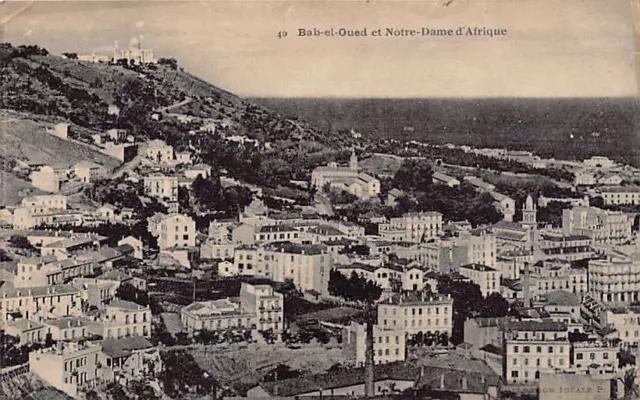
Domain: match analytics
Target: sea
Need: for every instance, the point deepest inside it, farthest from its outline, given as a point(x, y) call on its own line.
point(561, 128)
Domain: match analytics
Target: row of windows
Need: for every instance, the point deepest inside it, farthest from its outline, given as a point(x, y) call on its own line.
point(387, 339)
point(549, 362)
point(527, 349)
point(592, 356)
point(419, 322)
point(388, 352)
point(79, 362)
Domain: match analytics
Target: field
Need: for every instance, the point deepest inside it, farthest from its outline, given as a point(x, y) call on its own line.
point(242, 368)
point(13, 189)
point(26, 139)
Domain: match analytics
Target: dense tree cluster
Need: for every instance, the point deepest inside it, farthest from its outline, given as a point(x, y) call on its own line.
point(469, 303)
point(128, 292)
point(182, 374)
point(458, 203)
point(354, 288)
point(414, 175)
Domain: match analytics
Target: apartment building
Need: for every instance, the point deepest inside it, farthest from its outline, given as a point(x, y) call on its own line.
point(389, 276)
point(67, 366)
point(125, 318)
point(615, 195)
point(308, 266)
point(416, 312)
point(258, 307)
point(589, 355)
point(69, 328)
point(601, 226)
point(388, 344)
point(534, 347)
point(162, 187)
point(615, 278)
point(412, 227)
point(551, 275)
point(265, 303)
point(176, 230)
point(564, 246)
point(38, 303)
point(486, 277)
point(625, 320)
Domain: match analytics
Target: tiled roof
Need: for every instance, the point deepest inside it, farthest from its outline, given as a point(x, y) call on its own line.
point(124, 346)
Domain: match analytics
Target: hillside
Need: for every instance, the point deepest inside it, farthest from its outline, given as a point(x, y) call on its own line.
point(152, 100)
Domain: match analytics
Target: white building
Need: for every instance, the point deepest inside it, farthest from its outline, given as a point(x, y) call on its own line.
point(533, 348)
point(602, 226)
point(360, 184)
point(259, 307)
point(308, 266)
point(176, 230)
point(46, 179)
point(616, 278)
point(615, 195)
point(67, 365)
point(599, 162)
point(136, 53)
point(388, 344)
point(412, 227)
point(486, 277)
point(87, 171)
point(417, 312)
point(159, 151)
point(162, 187)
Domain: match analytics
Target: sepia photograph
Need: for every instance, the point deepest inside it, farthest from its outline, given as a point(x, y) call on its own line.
point(319, 199)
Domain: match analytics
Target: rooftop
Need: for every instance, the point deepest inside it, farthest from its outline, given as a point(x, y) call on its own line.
point(478, 267)
point(124, 346)
point(294, 248)
point(126, 305)
point(417, 298)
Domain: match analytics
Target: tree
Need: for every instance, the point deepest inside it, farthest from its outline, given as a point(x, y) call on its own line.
point(170, 62)
point(20, 242)
point(467, 303)
point(629, 382)
point(414, 175)
point(494, 305)
point(128, 292)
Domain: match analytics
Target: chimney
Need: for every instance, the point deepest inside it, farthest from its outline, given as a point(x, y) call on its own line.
point(442, 387)
point(464, 383)
point(525, 286)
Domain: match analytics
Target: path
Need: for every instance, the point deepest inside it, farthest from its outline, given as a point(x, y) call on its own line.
point(176, 105)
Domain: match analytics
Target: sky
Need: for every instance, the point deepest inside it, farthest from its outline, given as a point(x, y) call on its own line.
point(553, 48)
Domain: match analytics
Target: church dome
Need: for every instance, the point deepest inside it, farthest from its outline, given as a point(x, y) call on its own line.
point(134, 42)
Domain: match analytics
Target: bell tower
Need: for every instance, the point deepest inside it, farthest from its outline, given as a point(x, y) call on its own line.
point(353, 161)
point(529, 212)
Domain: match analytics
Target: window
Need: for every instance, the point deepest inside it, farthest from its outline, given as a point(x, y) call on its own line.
point(515, 349)
point(539, 349)
point(579, 356)
point(514, 374)
point(605, 356)
point(550, 350)
point(526, 349)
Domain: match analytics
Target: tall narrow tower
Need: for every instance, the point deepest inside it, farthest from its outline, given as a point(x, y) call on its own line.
point(353, 162)
point(529, 212)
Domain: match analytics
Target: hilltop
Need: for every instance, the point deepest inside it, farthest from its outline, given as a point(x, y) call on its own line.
point(155, 101)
